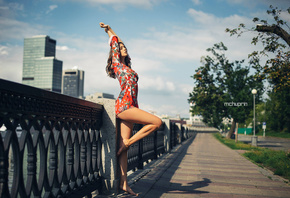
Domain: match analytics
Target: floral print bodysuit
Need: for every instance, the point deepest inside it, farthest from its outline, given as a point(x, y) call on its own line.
point(127, 78)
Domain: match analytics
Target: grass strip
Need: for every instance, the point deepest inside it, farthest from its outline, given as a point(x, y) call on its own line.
point(276, 161)
point(275, 134)
point(233, 145)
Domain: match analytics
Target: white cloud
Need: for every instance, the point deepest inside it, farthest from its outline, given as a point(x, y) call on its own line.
point(10, 9)
point(214, 27)
point(253, 4)
point(185, 88)
point(156, 83)
point(165, 109)
point(174, 45)
point(146, 4)
point(11, 63)
point(143, 64)
point(170, 86)
point(62, 48)
point(16, 6)
point(217, 24)
point(196, 2)
point(200, 16)
point(4, 8)
point(14, 29)
point(285, 16)
point(51, 8)
point(180, 44)
point(3, 50)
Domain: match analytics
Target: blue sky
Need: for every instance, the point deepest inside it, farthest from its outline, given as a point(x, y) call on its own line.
point(165, 39)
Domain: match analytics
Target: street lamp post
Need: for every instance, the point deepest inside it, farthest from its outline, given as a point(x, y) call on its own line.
point(254, 138)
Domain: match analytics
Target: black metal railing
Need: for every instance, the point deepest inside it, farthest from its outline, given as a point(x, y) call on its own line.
point(153, 145)
point(50, 143)
point(149, 148)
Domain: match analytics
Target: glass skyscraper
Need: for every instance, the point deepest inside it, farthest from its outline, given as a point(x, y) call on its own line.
point(40, 67)
point(73, 82)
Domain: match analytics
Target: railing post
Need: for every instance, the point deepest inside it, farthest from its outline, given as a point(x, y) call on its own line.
point(155, 145)
point(174, 134)
point(182, 133)
point(140, 154)
point(167, 135)
point(179, 132)
point(110, 183)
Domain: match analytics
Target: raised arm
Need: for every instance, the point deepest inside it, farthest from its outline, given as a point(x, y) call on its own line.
point(109, 30)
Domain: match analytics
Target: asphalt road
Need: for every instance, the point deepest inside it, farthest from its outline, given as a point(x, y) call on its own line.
point(268, 142)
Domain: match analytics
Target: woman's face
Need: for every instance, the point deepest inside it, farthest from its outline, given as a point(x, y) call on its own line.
point(123, 50)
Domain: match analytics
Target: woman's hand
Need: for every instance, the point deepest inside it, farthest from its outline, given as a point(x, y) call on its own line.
point(102, 25)
point(108, 30)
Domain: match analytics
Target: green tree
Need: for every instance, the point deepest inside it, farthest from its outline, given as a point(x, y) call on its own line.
point(223, 89)
point(276, 42)
point(276, 69)
point(278, 111)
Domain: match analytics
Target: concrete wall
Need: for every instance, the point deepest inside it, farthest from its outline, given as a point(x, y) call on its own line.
point(108, 134)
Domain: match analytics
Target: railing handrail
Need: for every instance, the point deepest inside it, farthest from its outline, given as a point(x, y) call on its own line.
point(41, 93)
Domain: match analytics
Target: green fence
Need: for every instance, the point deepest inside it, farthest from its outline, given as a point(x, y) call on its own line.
point(247, 131)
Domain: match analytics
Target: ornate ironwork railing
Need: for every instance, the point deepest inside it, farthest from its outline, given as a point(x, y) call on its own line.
point(153, 145)
point(149, 148)
point(50, 143)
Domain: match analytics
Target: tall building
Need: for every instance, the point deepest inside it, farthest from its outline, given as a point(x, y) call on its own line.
point(40, 67)
point(73, 82)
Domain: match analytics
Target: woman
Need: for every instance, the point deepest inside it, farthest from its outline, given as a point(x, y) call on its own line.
point(119, 66)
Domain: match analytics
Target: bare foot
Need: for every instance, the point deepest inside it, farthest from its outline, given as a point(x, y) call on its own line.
point(123, 147)
point(127, 189)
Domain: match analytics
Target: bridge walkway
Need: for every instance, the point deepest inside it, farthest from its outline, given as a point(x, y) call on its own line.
point(203, 167)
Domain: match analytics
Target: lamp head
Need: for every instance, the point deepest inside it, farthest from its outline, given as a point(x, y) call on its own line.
point(254, 91)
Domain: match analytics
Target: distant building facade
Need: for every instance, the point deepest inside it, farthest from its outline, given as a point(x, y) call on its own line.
point(40, 67)
point(195, 120)
point(73, 82)
point(99, 95)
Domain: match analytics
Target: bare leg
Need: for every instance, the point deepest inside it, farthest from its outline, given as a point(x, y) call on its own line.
point(126, 130)
point(135, 115)
point(128, 117)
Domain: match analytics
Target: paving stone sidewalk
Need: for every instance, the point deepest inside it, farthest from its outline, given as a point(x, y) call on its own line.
point(203, 167)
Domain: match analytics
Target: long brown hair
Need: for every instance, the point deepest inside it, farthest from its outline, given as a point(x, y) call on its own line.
point(109, 68)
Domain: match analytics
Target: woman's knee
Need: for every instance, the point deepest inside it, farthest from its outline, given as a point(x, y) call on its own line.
point(158, 123)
